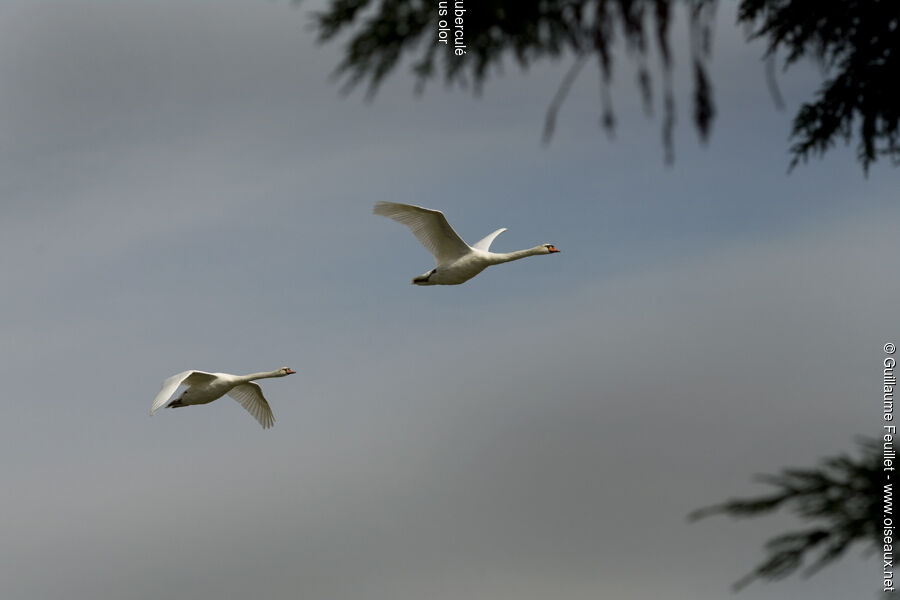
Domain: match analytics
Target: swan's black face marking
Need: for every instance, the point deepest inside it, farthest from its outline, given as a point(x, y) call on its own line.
point(550, 248)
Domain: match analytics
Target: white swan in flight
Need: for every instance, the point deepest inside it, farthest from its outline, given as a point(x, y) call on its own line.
point(456, 261)
point(203, 388)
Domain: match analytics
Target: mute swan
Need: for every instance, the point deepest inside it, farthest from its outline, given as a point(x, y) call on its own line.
point(456, 261)
point(203, 388)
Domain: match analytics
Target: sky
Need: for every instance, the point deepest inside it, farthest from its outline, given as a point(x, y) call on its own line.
point(184, 187)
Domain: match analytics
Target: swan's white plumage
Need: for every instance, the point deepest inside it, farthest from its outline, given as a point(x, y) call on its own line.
point(429, 226)
point(485, 242)
point(203, 388)
point(189, 378)
point(456, 262)
point(250, 396)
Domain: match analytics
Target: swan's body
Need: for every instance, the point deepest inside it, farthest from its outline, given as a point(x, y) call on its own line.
point(456, 261)
point(203, 388)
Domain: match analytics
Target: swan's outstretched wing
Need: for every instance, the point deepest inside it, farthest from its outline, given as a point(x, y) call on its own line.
point(429, 226)
point(251, 398)
point(486, 241)
point(171, 384)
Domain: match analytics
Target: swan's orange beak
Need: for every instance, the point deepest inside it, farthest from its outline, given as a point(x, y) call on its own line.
point(291, 371)
point(552, 249)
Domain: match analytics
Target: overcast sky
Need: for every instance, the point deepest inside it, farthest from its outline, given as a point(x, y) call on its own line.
point(183, 187)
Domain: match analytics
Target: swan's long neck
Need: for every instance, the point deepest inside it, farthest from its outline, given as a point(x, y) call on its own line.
point(502, 257)
point(263, 375)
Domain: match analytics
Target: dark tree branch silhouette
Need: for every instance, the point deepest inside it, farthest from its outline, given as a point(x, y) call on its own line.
point(841, 500)
point(855, 42)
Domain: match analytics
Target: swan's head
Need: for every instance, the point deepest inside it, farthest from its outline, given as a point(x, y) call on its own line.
point(550, 248)
point(285, 371)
